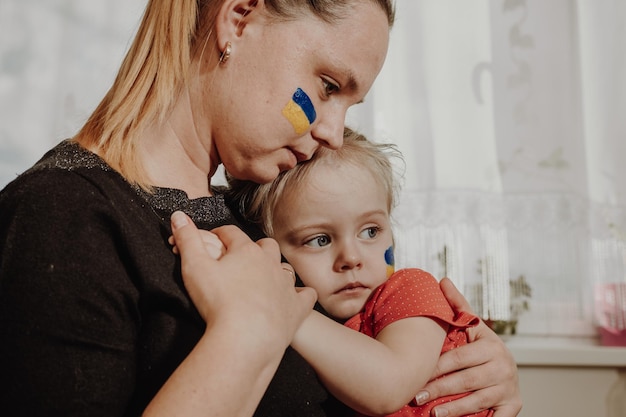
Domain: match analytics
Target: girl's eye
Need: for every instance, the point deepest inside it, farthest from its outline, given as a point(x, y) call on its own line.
point(329, 87)
point(369, 233)
point(318, 241)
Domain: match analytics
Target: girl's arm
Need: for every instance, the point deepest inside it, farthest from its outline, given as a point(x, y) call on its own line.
point(372, 376)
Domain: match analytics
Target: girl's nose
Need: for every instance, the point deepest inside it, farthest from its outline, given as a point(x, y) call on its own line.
point(348, 258)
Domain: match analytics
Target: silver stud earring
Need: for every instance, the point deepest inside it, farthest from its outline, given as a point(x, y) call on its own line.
point(225, 56)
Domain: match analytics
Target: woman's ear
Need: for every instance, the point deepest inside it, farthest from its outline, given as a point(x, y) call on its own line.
point(233, 17)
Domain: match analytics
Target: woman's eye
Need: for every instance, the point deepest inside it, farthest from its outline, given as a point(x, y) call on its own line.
point(329, 88)
point(369, 233)
point(318, 241)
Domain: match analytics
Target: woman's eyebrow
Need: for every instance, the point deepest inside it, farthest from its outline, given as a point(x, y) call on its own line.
point(351, 83)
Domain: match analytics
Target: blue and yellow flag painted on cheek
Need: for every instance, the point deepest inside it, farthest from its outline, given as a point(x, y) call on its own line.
point(300, 112)
point(389, 259)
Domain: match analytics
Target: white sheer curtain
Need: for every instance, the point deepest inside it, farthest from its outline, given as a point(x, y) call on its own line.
point(57, 59)
point(512, 119)
point(510, 115)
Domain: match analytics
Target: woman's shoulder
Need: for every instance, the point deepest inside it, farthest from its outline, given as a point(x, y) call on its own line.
point(62, 168)
point(66, 178)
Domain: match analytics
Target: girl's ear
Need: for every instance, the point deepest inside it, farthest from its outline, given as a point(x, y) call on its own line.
point(233, 17)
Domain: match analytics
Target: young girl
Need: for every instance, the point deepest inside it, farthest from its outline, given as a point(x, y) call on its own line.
point(331, 218)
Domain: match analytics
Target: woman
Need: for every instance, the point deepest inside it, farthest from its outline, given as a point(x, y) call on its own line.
point(96, 319)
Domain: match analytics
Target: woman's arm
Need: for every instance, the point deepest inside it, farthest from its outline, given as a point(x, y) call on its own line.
point(373, 376)
point(484, 366)
point(248, 326)
point(67, 306)
point(70, 317)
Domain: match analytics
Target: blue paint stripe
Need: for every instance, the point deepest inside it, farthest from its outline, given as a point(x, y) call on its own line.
point(302, 100)
point(389, 256)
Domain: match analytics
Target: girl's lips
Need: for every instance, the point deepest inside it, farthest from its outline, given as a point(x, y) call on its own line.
point(352, 289)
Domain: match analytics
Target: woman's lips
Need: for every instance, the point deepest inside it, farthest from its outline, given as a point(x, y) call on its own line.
point(300, 156)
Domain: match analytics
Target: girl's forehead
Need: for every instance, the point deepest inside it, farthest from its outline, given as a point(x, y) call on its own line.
point(342, 165)
point(343, 174)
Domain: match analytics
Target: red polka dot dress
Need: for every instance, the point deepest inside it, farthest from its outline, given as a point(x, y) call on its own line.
point(412, 293)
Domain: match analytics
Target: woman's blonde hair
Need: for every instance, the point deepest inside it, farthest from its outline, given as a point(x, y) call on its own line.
point(156, 69)
point(258, 202)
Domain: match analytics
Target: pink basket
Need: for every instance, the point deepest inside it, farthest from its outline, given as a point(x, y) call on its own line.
point(610, 304)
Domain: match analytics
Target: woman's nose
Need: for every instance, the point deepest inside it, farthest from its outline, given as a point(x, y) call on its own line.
point(328, 130)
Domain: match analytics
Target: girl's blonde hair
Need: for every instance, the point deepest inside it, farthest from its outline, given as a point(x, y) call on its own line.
point(156, 69)
point(258, 202)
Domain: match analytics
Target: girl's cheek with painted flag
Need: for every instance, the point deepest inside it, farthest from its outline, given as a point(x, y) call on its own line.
point(390, 261)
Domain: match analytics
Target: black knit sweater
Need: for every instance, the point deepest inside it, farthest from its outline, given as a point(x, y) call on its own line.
point(93, 313)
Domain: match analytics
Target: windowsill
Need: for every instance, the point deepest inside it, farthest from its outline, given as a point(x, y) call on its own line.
point(564, 351)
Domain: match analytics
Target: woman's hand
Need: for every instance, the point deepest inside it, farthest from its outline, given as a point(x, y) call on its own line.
point(227, 274)
point(484, 367)
point(251, 309)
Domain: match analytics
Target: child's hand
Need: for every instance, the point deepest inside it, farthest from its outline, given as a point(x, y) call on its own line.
point(213, 245)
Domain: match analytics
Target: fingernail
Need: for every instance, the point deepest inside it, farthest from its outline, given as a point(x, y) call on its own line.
point(441, 412)
point(421, 397)
point(179, 219)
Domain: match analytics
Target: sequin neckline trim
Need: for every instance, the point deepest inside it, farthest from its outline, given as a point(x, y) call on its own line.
point(70, 156)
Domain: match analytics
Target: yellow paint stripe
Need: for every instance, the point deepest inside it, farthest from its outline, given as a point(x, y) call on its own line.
point(296, 117)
